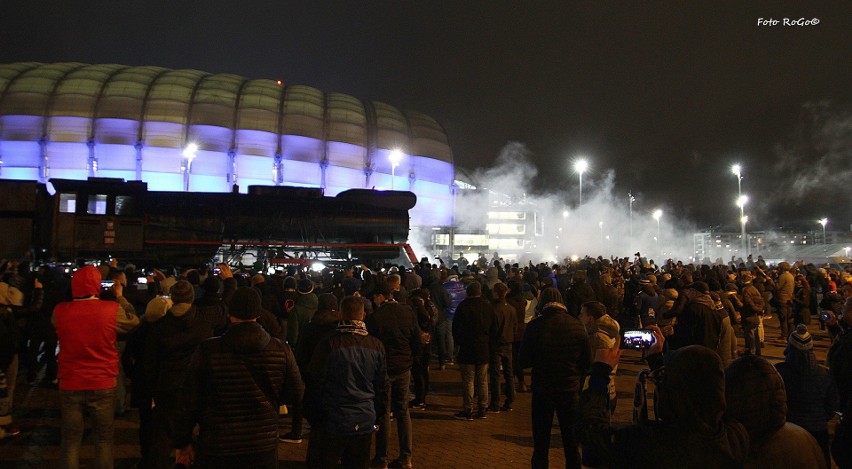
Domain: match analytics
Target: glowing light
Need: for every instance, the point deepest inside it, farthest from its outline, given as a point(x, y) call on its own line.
point(580, 166)
point(744, 219)
point(742, 200)
point(565, 214)
point(823, 222)
point(394, 157)
point(189, 151)
point(657, 214)
point(317, 266)
point(279, 82)
point(575, 258)
point(737, 169)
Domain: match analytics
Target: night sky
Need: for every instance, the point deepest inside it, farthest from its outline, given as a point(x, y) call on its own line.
point(668, 98)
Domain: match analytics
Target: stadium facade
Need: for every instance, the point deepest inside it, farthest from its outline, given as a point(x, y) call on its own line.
point(196, 131)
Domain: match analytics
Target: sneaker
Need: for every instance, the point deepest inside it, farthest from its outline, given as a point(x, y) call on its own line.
point(493, 409)
point(290, 438)
point(413, 404)
point(10, 430)
point(481, 414)
point(464, 415)
point(397, 463)
point(506, 407)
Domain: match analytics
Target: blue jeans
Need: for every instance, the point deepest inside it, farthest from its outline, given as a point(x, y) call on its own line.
point(474, 380)
point(444, 341)
point(102, 406)
point(397, 401)
point(503, 358)
point(544, 405)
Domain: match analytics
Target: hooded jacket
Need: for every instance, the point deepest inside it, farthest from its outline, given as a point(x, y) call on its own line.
point(757, 399)
point(300, 316)
point(692, 431)
point(88, 328)
point(556, 347)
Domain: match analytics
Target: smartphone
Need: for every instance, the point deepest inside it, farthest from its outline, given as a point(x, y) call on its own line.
point(825, 316)
point(107, 284)
point(142, 280)
point(638, 339)
point(217, 271)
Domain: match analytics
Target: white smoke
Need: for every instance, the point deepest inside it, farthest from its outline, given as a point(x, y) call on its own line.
point(601, 226)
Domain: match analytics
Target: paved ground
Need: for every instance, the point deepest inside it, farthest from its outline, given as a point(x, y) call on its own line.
point(501, 441)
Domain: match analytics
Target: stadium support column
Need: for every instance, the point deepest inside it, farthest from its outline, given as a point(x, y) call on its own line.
point(278, 169)
point(44, 166)
point(368, 175)
point(323, 169)
point(232, 167)
point(412, 178)
point(92, 164)
point(139, 145)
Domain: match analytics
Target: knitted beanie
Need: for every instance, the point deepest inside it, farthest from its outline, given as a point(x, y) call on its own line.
point(801, 339)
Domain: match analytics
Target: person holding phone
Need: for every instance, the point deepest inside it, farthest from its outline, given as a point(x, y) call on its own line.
point(691, 427)
point(604, 332)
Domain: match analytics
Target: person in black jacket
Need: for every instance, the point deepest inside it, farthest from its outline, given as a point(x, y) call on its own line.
point(169, 345)
point(556, 347)
point(396, 326)
point(234, 386)
point(475, 333)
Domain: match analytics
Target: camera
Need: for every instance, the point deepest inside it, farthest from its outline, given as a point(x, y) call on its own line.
point(638, 339)
point(142, 280)
point(825, 316)
point(217, 271)
point(107, 284)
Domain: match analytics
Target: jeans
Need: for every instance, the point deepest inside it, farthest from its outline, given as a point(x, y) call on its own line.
point(353, 451)
point(420, 375)
point(444, 341)
point(102, 406)
point(503, 358)
point(398, 402)
point(752, 337)
point(121, 387)
point(544, 404)
point(785, 318)
point(474, 379)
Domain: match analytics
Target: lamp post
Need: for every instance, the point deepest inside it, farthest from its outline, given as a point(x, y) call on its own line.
point(186, 163)
point(580, 166)
point(737, 171)
point(823, 222)
point(657, 214)
point(743, 221)
point(394, 158)
point(600, 225)
point(741, 201)
point(630, 200)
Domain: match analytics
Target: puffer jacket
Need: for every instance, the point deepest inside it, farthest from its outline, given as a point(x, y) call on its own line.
point(396, 326)
point(753, 302)
point(475, 330)
point(233, 389)
point(811, 392)
point(300, 317)
point(556, 347)
point(756, 398)
point(693, 432)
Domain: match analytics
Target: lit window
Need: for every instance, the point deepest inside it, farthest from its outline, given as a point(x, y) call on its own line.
point(67, 203)
point(97, 204)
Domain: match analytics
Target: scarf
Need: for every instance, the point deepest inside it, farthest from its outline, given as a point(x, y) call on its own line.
point(352, 327)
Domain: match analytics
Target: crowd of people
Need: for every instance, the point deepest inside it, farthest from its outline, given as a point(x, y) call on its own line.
point(209, 355)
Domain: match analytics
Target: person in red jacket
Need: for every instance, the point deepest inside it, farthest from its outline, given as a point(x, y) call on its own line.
point(87, 328)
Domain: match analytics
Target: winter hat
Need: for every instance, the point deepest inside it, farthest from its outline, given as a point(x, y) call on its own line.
point(306, 286)
point(700, 286)
point(327, 301)
point(245, 304)
point(290, 283)
point(550, 295)
point(182, 292)
point(801, 339)
point(652, 279)
point(157, 308)
point(256, 279)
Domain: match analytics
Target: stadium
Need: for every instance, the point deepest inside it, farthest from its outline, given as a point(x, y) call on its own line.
point(188, 130)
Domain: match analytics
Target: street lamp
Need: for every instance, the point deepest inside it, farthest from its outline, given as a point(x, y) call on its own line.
point(823, 222)
point(657, 214)
point(737, 171)
point(580, 166)
point(631, 199)
point(743, 221)
point(394, 158)
point(741, 201)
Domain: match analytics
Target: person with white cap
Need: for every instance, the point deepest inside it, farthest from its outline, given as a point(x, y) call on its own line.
point(811, 393)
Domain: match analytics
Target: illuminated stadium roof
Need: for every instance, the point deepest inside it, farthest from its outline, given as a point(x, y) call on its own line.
point(192, 130)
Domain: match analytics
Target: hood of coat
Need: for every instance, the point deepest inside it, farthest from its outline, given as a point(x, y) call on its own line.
point(693, 394)
point(86, 282)
point(756, 396)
